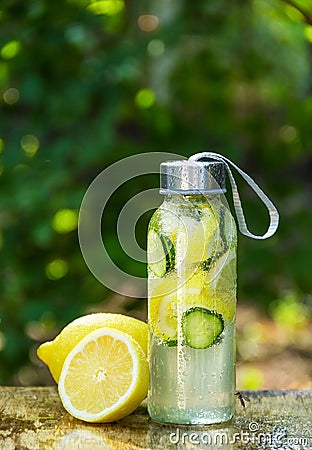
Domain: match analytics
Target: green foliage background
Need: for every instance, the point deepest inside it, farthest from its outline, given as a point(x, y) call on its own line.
point(82, 86)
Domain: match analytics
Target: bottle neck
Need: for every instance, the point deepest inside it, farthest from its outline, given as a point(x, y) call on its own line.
point(191, 198)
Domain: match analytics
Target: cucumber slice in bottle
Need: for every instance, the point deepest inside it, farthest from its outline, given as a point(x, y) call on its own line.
point(161, 254)
point(201, 327)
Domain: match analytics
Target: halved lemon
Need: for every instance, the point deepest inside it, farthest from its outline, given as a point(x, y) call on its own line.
point(104, 377)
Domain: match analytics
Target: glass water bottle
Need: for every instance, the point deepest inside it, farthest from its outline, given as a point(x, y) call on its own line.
point(192, 290)
point(192, 297)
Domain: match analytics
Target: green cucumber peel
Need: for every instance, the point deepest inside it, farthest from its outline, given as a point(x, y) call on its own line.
point(201, 327)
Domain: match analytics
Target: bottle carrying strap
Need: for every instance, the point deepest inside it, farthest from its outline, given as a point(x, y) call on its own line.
point(273, 213)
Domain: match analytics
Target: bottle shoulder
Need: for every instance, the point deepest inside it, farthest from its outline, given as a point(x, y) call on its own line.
point(173, 218)
point(193, 208)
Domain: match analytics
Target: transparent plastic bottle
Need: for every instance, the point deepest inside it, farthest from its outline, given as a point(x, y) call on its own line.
point(192, 297)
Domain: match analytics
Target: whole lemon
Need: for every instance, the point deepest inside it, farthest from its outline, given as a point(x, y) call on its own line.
point(53, 353)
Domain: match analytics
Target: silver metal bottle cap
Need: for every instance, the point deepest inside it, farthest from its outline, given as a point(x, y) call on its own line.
point(190, 177)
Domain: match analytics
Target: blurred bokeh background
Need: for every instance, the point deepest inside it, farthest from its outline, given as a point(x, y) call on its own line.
point(84, 83)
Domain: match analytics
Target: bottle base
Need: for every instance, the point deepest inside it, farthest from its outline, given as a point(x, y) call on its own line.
point(172, 416)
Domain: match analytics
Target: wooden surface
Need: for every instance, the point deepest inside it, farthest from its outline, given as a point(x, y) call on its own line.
point(33, 418)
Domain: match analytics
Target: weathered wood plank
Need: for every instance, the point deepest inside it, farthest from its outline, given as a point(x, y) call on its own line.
point(33, 418)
